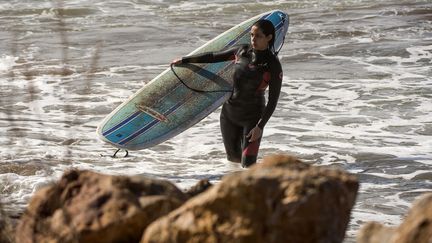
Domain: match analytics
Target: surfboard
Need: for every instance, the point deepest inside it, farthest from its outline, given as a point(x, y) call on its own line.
point(165, 107)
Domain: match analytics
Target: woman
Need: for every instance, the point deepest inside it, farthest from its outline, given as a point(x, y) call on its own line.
point(245, 114)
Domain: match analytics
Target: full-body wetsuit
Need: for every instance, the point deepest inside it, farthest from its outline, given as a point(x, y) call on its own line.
point(254, 71)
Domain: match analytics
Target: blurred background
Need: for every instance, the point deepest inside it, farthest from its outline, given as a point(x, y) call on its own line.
point(356, 93)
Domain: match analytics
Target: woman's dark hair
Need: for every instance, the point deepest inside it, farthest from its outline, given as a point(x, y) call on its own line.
point(266, 26)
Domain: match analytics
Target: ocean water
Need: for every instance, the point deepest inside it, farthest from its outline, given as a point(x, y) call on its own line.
point(356, 95)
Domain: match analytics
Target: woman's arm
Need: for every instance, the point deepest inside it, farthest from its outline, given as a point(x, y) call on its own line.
point(210, 57)
point(275, 85)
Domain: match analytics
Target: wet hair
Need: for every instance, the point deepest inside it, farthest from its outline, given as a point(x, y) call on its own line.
point(266, 26)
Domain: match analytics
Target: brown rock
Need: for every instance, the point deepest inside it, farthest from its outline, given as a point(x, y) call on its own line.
point(89, 207)
point(374, 232)
point(6, 228)
point(417, 226)
point(200, 187)
point(279, 200)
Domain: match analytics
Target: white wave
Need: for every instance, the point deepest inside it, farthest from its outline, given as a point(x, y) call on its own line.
point(6, 63)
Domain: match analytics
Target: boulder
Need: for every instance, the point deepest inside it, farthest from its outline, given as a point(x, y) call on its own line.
point(374, 232)
point(416, 228)
point(85, 206)
point(279, 200)
point(6, 227)
point(200, 187)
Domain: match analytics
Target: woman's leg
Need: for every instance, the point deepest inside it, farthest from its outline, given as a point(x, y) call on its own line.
point(249, 149)
point(231, 135)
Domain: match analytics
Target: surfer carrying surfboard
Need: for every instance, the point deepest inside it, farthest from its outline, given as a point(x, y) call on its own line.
point(245, 114)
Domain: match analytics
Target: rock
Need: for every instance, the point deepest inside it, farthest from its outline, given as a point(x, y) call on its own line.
point(416, 228)
point(200, 187)
point(86, 206)
point(374, 232)
point(6, 228)
point(279, 200)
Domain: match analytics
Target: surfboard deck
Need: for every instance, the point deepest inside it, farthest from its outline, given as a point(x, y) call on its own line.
point(165, 107)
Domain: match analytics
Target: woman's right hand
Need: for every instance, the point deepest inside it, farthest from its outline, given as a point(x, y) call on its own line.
point(176, 61)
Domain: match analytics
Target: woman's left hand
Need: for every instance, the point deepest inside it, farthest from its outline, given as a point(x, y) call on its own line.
point(176, 61)
point(254, 134)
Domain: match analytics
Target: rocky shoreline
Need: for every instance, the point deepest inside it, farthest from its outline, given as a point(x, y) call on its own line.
point(281, 199)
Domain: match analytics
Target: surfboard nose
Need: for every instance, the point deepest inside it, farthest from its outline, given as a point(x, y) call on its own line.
point(280, 20)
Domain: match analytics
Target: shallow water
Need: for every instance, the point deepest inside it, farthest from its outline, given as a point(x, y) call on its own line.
point(356, 95)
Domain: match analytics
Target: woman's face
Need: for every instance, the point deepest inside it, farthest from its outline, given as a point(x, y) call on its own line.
point(259, 40)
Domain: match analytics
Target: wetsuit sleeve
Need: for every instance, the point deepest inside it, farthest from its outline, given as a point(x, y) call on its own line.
point(275, 85)
point(210, 57)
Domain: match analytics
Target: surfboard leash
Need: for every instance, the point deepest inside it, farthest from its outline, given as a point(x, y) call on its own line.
point(115, 154)
point(194, 89)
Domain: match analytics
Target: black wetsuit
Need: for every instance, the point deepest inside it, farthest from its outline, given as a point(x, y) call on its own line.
point(254, 72)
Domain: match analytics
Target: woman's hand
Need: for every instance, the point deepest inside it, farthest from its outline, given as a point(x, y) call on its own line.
point(176, 61)
point(254, 134)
